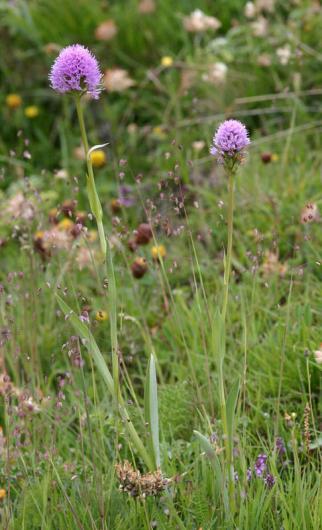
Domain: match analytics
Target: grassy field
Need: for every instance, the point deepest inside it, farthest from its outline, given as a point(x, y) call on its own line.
point(130, 398)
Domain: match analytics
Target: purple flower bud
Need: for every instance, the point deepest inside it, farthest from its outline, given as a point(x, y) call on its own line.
point(76, 69)
point(249, 474)
point(269, 480)
point(230, 141)
point(260, 465)
point(280, 447)
point(125, 196)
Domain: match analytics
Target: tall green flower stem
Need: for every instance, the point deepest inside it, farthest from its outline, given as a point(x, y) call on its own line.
point(227, 422)
point(230, 223)
point(105, 248)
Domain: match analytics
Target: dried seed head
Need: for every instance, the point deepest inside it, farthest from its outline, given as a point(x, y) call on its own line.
point(140, 485)
point(307, 411)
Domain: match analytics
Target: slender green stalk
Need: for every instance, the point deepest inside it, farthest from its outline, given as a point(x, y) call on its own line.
point(106, 249)
point(91, 188)
point(222, 397)
point(230, 220)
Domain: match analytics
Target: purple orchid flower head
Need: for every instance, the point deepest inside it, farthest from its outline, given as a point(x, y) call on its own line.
point(230, 142)
point(76, 69)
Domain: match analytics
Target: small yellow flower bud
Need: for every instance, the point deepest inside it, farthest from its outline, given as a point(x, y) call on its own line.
point(98, 158)
point(3, 493)
point(158, 132)
point(31, 112)
point(38, 235)
point(13, 101)
point(101, 316)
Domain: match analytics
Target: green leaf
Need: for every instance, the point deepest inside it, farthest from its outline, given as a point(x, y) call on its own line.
point(213, 457)
point(206, 445)
point(89, 342)
point(151, 409)
point(218, 336)
point(102, 367)
point(231, 404)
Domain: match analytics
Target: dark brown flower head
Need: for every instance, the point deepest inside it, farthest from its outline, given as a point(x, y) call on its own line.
point(68, 207)
point(139, 267)
point(132, 245)
point(144, 234)
point(116, 206)
point(76, 230)
point(40, 245)
point(266, 157)
point(81, 218)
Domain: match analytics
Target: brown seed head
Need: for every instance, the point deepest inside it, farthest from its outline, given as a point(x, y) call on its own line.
point(144, 234)
point(139, 267)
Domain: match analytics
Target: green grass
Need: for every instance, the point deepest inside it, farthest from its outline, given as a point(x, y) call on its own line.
point(58, 457)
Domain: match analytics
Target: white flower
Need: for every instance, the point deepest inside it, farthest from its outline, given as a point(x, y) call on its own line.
point(146, 7)
point(318, 355)
point(250, 10)
point(106, 30)
point(264, 59)
point(217, 73)
point(284, 54)
point(20, 208)
point(197, 22)
point(260, 27)
point(117, 80)
point(265, 5)
point(198, 145)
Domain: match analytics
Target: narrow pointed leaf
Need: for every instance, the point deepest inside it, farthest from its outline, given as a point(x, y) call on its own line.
point(231, 405)
point(151, 409)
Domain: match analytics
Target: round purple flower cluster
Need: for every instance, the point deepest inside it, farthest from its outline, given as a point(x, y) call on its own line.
point(230, 140)
point(76, 69)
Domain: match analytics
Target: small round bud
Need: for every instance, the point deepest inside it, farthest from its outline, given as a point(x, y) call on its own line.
point(139, 267)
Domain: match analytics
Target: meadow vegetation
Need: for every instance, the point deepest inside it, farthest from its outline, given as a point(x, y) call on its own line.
point(131, 395)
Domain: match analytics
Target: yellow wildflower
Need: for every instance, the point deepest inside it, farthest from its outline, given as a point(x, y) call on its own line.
point(158, 132)
point(166, 61)
point(275, 157)
point(3, 493)
point(158, 252)
point(65, 224)
point(31, 112)
point(91, 236)
point(98, 158)
point(13, 101)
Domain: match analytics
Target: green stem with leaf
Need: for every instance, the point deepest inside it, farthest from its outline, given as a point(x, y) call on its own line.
point(105, 248)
